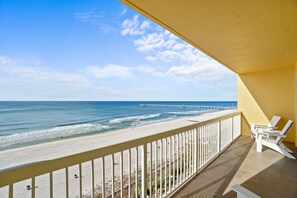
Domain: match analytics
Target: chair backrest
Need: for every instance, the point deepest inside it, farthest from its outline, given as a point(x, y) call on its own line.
point(284, 131)
point(273, 122)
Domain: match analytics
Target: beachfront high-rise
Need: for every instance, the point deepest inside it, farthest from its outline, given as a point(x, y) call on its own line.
point(255, 39)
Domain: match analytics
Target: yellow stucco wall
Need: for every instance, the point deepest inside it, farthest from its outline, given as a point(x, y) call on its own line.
point(263, 94)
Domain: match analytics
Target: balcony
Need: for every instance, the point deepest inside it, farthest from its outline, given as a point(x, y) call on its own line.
point(202, 159)
point(268, 174)
point(158, 164)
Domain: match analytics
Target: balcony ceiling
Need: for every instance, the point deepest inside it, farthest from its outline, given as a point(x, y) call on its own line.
point(246, 36)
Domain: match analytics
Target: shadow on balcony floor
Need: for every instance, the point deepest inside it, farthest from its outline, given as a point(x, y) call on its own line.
point(267, 174)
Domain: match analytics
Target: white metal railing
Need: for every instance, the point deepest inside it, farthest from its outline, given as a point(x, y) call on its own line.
point(154, 166)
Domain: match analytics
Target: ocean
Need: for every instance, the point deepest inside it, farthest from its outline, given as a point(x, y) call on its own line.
point(29, 123)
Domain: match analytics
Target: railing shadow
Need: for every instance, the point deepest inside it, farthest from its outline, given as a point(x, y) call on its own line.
point(213, 181)
point(277, 180)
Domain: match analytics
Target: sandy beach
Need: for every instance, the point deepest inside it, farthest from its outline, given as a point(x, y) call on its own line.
point(53, 150)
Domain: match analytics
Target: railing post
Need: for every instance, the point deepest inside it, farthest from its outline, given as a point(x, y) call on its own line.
point(144, 171)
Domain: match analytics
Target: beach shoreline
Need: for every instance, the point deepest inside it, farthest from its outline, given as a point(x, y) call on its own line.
point(10, 159)
point(57, 149)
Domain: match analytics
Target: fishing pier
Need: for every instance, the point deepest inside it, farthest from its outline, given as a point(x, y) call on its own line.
point(194, 107)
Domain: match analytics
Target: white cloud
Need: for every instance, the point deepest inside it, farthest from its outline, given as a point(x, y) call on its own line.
point(119, 71)
point(190, 65)
point(201, 73)
point(133, 26)
point(150, 58)
point(124, 11)
point(95, 19)
point(24, 69)
point(115, 71)
point(147, 69)
point(107, 91)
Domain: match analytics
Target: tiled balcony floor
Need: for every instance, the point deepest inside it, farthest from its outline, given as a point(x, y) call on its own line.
point(268, 174)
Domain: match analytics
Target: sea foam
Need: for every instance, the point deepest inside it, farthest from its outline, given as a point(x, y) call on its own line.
point(133, 118)
point(52, 133)
point(140, 123)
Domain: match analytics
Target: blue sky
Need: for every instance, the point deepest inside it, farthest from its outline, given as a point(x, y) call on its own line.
point(100, 50)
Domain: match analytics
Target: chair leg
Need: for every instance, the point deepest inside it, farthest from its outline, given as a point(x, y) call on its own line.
point(287, 149)
point(278, 148)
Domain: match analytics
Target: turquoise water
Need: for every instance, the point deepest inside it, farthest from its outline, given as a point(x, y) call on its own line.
point(28, 123)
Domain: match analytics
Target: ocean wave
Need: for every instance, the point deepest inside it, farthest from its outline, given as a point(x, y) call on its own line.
point(132, 118)
point(53, 133)
point(140, 123)
point(189, 112)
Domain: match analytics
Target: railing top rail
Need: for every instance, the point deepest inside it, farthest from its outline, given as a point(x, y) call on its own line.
point(25, 171)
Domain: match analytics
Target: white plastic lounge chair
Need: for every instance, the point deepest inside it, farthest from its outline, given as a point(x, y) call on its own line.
point(270, 126)
point(274, 138)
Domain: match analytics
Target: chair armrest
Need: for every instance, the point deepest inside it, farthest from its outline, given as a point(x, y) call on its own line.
point(277, 135)
point(259, 125)
point(271, 131)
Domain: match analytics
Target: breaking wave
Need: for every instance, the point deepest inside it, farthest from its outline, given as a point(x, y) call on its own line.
point(53, 133)
point(133, 118)
point(140, 123)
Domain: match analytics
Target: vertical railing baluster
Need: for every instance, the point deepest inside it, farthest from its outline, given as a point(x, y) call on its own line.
point(10, 191)
point(33, 187)
point(170, 161)
point(93, 179)
point(156, 168)
point(51, 184)
point(112, 175)
point(103, 177)
point(206, 145)
point(173, 159)
point(214, 138)
point(187, 155)
point(232, 135)
point(196, 150)
point(144, 171)
point(184, 154)
point(191, 152)
point(177, 160)
point(161, 167)
point(151, 164)
point(80, 180)
point(202, 146)
point(136, 173)
point(181, 158)
point(67, 181)
point(121, 172)
point(211, 140)
point(129, 173)
point(219, 137)
point(165, 185)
